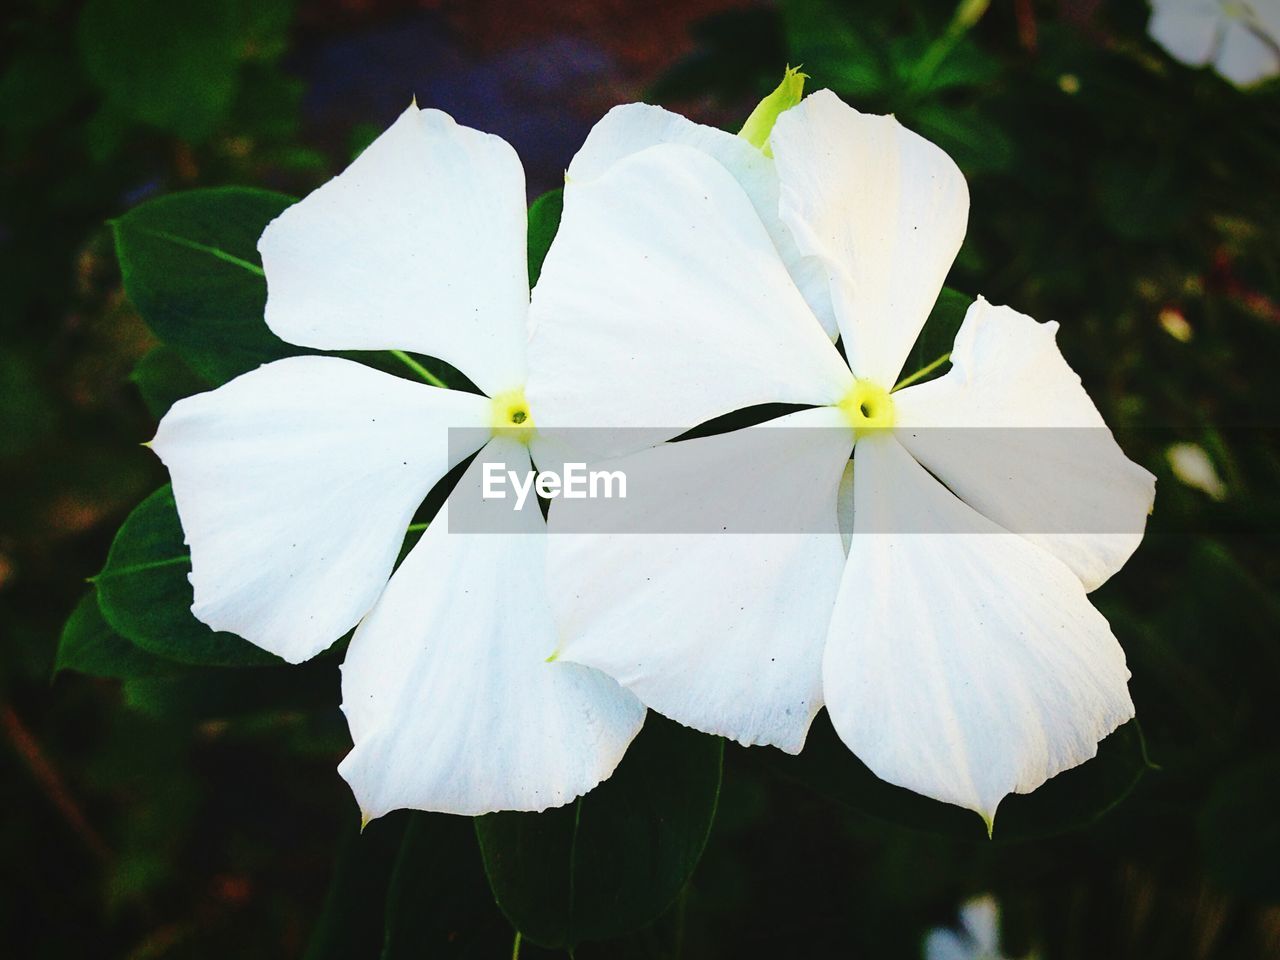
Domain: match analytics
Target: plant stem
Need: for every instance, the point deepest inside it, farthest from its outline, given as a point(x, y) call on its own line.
point(922, 372)
point(418, 368)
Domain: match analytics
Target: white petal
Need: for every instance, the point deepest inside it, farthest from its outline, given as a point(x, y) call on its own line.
point(722, 631)
point(964, 663)
point(451, 703)
point(663, 304)
point(633, 127)
point(1012, 432)
point(1187, 29)
point(419, 245)
point(295, 483)
point(1244, 58)
point(885, 211)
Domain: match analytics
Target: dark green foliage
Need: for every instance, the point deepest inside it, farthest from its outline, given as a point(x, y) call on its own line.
point(190, 266)
point(145, 594)
point(90, 646)
point(614, 860)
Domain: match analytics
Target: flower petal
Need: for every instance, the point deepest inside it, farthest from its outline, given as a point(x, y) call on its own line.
point(1187, 30)
point(1012, 432)
point(964, 662)
point(419, 245)
point(295, 483)
point(451, 703)
point(721, 631)
point(1244, 57)
point(663, 304)
point(885, 211)
point(633, 127)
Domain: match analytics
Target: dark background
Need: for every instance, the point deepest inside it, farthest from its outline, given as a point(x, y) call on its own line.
point(1129, 198)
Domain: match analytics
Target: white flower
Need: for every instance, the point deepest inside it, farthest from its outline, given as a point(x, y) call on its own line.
point(296, 483)
point(964, 663)
point(1241, 38)
point(977, 939)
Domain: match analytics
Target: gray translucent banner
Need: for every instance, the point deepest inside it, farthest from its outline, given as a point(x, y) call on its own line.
point(779, 479)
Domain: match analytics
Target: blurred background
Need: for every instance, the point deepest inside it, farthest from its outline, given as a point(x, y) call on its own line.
point(1132, 199)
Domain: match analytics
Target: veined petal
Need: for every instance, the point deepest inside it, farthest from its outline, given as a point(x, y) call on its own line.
point(295, 484)
point(1012, 432)
point(633, 127)
point(1245, 58)
point(964, 663)
point(1188, 29)
point(714, 610)
point(883, 209)
point(452, 704)
point(663, 304)
point(418, 245)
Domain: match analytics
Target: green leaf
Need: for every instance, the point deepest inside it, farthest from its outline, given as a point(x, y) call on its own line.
point(146, 596)
point(612, 861)
point(190, 265)
point(163, 378)
point(1070, 800)
point(88, 645)
point(937, 337)
point(351, 920)
point(438, 903)
point(544, 221)
point(164, 64)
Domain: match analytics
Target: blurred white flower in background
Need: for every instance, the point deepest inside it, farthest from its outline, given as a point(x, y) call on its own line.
point(1192, 466)
point(1241, 39)
point(977, 939)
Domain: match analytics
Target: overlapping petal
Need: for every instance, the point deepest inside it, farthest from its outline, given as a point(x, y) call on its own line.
point(964, 662)
point(664, 313)
point(295, 484)
point(1011, 430)
point(633, 127)
point(446, 688)
point(713, 605)
point(419, 245)
point(883, 208)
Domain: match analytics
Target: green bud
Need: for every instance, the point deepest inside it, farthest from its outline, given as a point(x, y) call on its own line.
point(760, 124)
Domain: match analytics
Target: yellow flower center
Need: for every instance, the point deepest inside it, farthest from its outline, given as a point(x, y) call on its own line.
point(510, 416)
point(867, 407)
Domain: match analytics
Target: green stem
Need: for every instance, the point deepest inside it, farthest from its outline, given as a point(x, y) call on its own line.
point(418, 368)
point(922, 372)
point(415, 527)
point(515, 946)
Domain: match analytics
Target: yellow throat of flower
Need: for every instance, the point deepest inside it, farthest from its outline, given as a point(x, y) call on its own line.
point(510, 417)
point(867, 407)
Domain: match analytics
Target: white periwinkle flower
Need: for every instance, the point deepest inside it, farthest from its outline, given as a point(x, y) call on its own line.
point(964, 662)
point(1241, 38)
point(296, 483)
point(977, 939)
